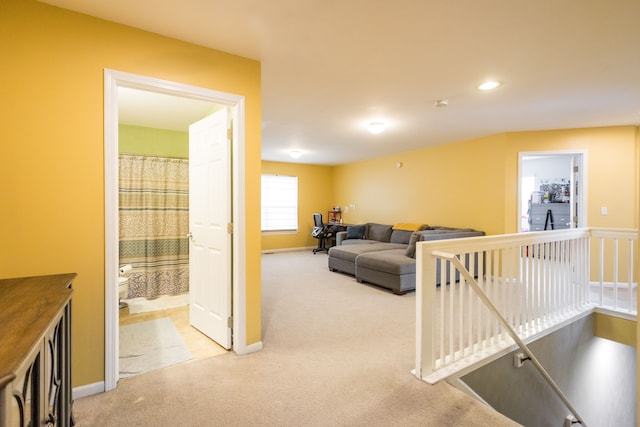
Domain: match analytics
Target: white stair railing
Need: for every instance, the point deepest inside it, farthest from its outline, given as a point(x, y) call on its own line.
point(506, 325)
point(615, 286)
point(539, 282)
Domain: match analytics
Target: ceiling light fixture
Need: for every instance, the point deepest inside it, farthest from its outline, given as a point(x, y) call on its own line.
point(295, 154)
point(489, 85)
point(441, 103)
point(376, 127)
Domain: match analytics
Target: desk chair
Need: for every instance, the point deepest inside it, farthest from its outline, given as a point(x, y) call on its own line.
point(321, 232)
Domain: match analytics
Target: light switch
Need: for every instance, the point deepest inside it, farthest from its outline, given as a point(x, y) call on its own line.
point(603, 210)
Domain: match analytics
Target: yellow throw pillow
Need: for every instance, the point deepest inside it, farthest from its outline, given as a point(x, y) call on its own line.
point(409, 226)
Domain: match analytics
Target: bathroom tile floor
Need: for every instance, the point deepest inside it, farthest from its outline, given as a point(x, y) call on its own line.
point(199, 344)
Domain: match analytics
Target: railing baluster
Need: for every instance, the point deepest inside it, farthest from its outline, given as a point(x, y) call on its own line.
point(461, 318)
point(537, 280)
point(441, 313)
point(630, 275)
point(601, 270)
point(615, 273)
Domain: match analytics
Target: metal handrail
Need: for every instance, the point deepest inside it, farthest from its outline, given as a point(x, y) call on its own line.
point(485, 299)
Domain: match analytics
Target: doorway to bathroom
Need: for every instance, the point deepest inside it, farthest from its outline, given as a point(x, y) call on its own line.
point(118, 86)
point(156, 324)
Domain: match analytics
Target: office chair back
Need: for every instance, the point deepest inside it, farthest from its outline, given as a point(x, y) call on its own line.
point(317, 220)
point(318, 226)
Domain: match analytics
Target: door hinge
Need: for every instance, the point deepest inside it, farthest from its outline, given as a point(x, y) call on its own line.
point(230, 322)
point(230, 228)
point(230, 134)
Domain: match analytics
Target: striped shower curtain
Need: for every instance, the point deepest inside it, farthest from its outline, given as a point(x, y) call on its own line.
point(154, 222)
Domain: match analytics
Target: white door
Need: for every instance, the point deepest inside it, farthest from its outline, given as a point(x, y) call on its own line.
point(209, 222)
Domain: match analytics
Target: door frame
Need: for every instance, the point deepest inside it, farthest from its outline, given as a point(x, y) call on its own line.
point(114, 79)
point(582, 173)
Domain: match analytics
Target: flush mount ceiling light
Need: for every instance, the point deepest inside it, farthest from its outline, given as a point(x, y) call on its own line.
point(376, 127)
point(441, 103)
point(295, 154)
point(489, 85)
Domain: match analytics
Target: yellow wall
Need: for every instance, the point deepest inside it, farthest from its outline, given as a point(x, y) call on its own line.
point(612, 179)
point(315, 189)
point(51, 127)
point(616, 329)
point(474, 183)
point(458, 185)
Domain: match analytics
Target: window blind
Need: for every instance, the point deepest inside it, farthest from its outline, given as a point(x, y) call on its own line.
point(279, 203)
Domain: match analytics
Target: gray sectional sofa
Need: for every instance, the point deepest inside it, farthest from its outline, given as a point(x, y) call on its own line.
point(384, 255)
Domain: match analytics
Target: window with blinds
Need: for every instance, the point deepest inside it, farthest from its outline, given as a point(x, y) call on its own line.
point(279, 203)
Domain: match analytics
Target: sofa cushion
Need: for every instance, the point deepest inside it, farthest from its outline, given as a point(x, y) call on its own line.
point(356, 231)
point(411, 249)
point(359, 242)
point(400, 236)
point(350, 252)
point(379, 232)
point(391, 261)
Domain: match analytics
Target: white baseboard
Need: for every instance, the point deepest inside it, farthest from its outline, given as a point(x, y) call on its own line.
point(248, 349)
point(87, 390)
point(621, 285)
point(252, 348)
point(305, 248)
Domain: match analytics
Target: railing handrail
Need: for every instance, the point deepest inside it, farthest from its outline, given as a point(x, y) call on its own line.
point(619, 233)
point(486, 243)
point(494, 310)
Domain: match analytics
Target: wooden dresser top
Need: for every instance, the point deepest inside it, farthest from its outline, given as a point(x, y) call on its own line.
point(28, 307)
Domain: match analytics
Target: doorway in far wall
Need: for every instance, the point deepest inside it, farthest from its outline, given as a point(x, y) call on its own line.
point(540, 171)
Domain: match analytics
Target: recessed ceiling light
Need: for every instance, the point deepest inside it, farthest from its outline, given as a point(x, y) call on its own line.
point(295, 154)
point(489, 85)
point(376, 127)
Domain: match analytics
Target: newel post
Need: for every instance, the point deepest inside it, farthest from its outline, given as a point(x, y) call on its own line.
point(425, 309)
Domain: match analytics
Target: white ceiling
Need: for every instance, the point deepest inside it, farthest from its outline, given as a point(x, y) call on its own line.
point(330, 67)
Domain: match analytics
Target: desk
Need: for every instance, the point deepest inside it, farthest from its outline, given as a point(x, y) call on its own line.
point(324, 243)
point(337, 226)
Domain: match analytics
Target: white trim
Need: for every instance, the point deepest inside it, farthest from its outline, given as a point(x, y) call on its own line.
point(111, 229)
point(252, 348)
point(615, 313)
point(87, 390)
point(112, 80)
point(583, 203)
point(304, 248)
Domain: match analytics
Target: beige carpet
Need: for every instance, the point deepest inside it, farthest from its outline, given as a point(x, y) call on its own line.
point(336, 353)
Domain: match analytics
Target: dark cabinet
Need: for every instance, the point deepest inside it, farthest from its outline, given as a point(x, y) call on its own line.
point(550, 216)
point(35, 351)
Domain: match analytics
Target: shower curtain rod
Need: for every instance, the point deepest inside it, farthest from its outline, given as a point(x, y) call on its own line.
point(153, 155)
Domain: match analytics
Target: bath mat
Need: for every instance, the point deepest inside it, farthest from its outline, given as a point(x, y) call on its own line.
point(150, 345)
point(164, 302)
